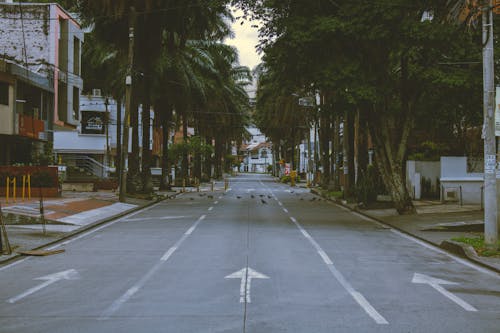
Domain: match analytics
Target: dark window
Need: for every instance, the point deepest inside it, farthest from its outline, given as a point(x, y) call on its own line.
point(76, 56)
point(4, 93)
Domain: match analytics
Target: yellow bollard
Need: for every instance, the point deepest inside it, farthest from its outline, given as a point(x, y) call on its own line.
point(14, 189)
point(226, 184)
point(7, 190)
point(293, 175)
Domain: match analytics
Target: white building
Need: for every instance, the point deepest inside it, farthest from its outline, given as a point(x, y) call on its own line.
point(94, 141)
point(257, 152)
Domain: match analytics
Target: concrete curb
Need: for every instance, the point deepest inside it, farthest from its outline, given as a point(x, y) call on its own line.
point(89, 227)
point(463, 250)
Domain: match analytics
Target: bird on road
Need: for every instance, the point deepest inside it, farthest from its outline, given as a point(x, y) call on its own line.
point(238, 197)
point(252, 196)
point(263, 201)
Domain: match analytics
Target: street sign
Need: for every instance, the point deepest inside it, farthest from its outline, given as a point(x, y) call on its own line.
point(287, 169)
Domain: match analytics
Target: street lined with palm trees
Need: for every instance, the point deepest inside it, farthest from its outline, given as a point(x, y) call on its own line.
point(261, 257)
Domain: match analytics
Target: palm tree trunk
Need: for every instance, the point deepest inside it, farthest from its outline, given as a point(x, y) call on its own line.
point(165, 163)
point(324, 138)
point(185, 158)
point(147, 184)
point(118, 138)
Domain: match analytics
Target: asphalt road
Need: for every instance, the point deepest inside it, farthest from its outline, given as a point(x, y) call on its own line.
point(262, 257)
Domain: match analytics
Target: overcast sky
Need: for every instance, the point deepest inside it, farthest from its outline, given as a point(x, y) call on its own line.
point(246, 38)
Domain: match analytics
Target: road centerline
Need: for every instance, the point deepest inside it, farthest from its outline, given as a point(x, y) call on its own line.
point(117, 304)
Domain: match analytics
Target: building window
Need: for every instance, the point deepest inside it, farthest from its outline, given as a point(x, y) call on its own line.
point(4, 93)
point(263, 153)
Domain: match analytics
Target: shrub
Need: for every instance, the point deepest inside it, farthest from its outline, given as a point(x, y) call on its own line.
point(286, 179)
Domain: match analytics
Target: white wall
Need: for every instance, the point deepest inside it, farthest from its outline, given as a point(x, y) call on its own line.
point(455, 178)
point(7, 115)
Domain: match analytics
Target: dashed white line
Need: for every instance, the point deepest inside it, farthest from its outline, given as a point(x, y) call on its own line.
point(167, 254)
point(285, 210)
point(357, 296)
point(210, 208)
point(216, 202)
point(325, 257)
point(115, 306)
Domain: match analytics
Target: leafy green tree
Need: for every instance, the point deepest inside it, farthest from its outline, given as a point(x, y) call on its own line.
point(380, 57)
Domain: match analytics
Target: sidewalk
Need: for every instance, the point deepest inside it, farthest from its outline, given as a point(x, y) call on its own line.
point(437, 223)
point(72, 213)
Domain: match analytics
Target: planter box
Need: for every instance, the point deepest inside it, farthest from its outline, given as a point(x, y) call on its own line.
point(45, 176)
point(47, 192)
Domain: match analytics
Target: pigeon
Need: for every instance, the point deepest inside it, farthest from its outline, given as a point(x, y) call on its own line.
point(292, 192)
point(238, 197)
point(263, 201)
point(261, 195)
point(269, 197)
point(210, 196)
point(252, 196)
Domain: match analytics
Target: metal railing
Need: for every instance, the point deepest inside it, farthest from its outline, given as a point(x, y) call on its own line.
point(88, 164)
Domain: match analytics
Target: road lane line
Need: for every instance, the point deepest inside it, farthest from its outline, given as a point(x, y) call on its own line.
point(167, 254)
point(117, 304)
point(441, 251)
point(215, 203)
point(14, 264)
point(285, 210)
point(157, 218)
point(106, 225)
point(357, 296)
point(210, 208)
point(325, 257)
point(279, 203)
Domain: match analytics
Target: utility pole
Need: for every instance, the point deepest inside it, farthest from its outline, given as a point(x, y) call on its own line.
point(107, 164)
point(490, 199)
point(128, 104)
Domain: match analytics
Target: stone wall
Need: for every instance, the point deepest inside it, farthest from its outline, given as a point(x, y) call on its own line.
point(31, 32)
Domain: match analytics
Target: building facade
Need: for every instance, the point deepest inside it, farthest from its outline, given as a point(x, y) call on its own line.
point(40, 77)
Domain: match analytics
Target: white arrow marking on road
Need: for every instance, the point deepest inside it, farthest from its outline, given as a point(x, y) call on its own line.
point(436, 284)
point(70, 274)
point(246, 275)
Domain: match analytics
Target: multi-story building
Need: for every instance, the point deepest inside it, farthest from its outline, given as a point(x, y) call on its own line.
point(40, 77)
point(256, 153)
